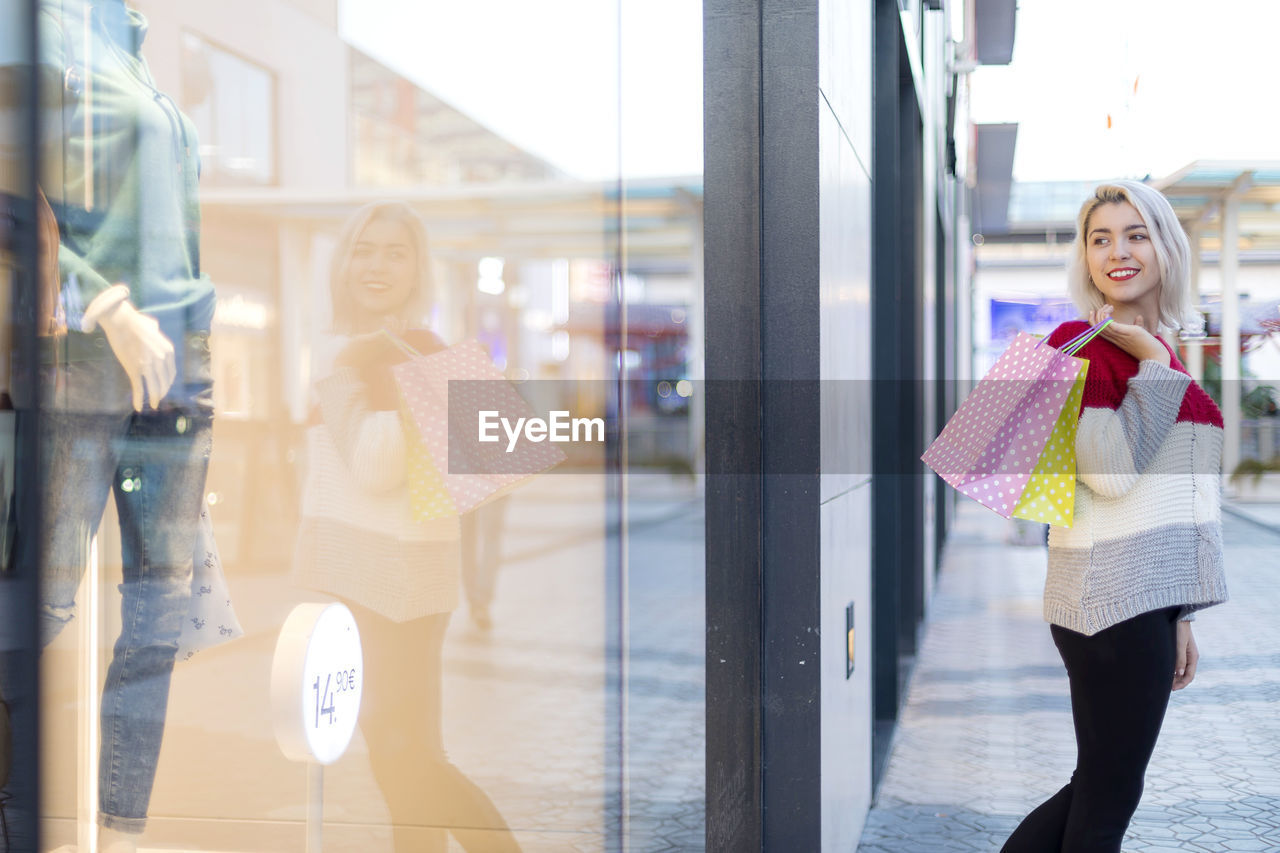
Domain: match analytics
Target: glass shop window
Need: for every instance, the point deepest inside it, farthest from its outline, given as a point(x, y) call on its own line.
point(232, 102)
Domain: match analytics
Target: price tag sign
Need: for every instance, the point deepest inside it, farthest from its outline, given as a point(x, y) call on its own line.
point(316, 680)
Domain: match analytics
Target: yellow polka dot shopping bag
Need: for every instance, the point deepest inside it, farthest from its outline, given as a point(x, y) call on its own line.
point(1011, 443)
point(443, 395)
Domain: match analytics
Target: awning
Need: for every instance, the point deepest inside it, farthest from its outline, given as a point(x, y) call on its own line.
point(1198, 190)
point(993, 155)
point(994, 24)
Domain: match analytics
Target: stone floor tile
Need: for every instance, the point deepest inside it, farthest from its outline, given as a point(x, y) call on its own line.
point(986, 729)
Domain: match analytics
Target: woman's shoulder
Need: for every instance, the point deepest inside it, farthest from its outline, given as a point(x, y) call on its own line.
point(1109, 366)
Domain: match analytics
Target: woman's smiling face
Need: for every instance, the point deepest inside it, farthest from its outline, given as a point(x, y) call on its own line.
point(383, 272)
point(1122, 258)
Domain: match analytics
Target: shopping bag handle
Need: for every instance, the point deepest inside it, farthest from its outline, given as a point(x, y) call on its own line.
point(400, 342)
point(1074, 345)
point(1077, 343)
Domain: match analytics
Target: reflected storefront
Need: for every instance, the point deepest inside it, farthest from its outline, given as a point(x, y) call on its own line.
point(227, 352)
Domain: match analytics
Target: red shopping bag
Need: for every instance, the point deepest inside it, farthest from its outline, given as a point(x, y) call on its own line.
point(443, 395)
point(1015, 429)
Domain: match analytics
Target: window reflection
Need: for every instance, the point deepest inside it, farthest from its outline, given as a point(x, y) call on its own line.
point(232, 102)
point(490, 631)
point(405, 135)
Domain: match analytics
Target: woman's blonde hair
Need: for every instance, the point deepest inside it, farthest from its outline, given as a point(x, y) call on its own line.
point(1173, 253)
point(418, 304)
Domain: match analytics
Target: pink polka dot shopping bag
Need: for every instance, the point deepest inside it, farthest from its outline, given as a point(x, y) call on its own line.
point(443, 397)
point(1011, 443)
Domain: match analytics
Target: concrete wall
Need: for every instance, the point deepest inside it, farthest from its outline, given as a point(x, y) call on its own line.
point(847, 126)
point(844, 121)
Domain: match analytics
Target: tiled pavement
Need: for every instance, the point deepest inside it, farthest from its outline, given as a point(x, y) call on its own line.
point(531, 708)
point(1265, 515)
point(986, 732)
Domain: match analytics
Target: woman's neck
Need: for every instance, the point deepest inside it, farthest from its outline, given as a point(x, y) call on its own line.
point(370, 324)
point(1147, 309)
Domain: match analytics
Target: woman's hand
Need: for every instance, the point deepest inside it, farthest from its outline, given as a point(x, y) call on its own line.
point(1188, 656)
point(1133, 338)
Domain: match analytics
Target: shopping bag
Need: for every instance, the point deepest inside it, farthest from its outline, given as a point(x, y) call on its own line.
point(1049, 496)
point(428, 493)
point(472, 472)
point(211, 620)
point(1010, 444)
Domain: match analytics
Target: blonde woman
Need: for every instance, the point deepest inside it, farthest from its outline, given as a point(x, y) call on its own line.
point(1145, 550)
point(359, 541)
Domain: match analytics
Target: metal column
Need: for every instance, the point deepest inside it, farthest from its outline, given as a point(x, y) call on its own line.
point(1230, 347)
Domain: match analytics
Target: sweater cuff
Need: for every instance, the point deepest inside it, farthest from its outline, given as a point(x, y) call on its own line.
point(101, 304)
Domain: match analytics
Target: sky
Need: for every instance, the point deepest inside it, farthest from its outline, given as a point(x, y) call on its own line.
point(550, 76)
point(1205, 78)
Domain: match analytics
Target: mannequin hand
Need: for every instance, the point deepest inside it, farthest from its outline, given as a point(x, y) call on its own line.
point(1188, 656)
point(142, 350)
point(1133, 338)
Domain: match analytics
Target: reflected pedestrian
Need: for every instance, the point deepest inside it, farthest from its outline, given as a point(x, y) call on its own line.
point(360, 541)
point(482, 533)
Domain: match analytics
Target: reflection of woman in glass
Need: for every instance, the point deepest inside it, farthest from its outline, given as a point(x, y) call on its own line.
point(1145, 550)
point(127, 405)
point(360, 542)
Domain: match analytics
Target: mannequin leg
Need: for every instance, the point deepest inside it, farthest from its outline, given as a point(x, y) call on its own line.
point(114, 841)
point(158, 488)
point(78, 453)
point(79, 460)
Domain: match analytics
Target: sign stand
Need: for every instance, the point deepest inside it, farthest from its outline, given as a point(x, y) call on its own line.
point(315, 806)
point(317, 677)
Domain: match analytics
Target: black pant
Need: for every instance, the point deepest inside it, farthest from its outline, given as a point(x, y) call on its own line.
point(1121, 678)
point(401, 716)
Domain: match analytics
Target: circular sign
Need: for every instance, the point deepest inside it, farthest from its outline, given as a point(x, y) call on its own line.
point(316, 681)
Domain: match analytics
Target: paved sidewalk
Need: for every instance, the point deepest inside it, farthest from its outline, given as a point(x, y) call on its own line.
point(986, 733)
point(1266, 515)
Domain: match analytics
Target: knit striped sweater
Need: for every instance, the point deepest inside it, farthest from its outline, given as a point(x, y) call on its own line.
point(358, 538)
point(1148, 517)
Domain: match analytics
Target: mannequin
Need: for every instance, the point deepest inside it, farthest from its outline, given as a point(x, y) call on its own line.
point(127, 391)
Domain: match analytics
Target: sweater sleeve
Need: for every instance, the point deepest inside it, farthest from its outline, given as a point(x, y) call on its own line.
point(78, 274)
point(1123, 424)
point(370, 442)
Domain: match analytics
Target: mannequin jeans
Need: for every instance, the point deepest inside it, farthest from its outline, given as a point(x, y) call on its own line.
point(1121, 679)
point(155, 464)
point(92, 446)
